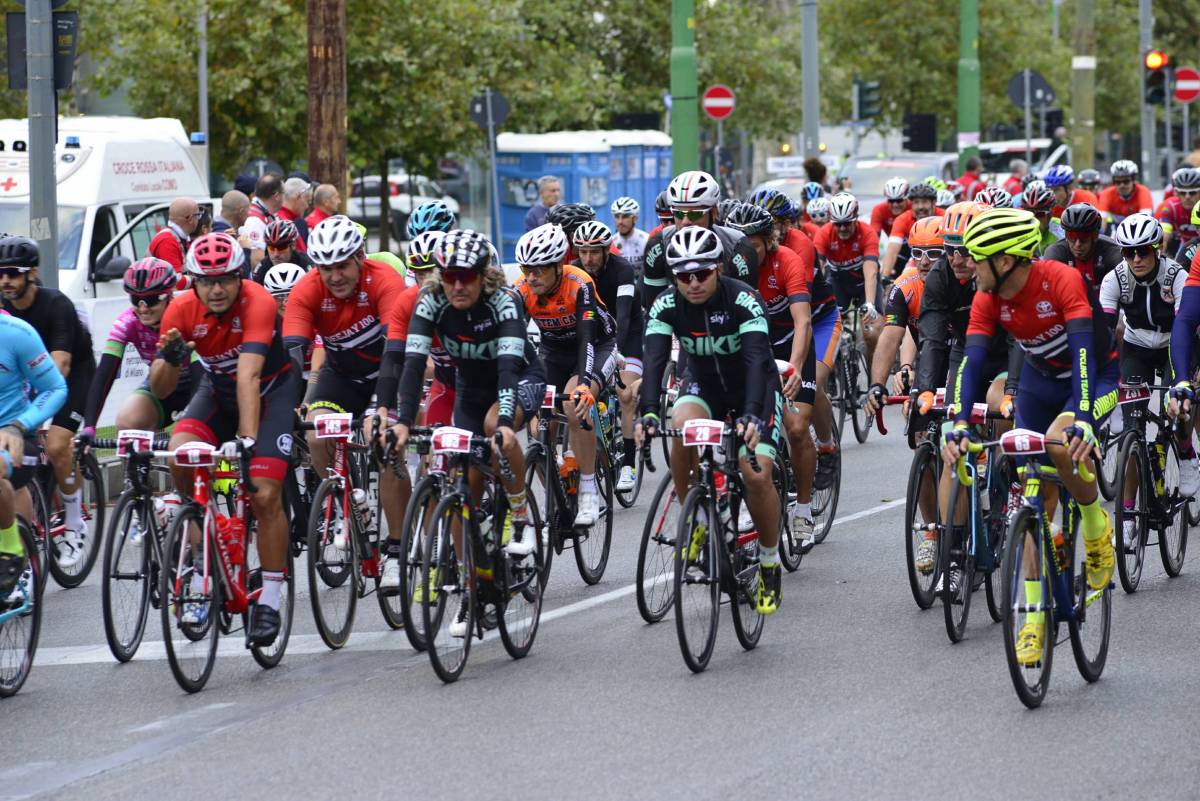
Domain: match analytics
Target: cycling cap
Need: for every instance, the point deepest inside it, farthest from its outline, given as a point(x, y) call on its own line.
point(926, 232)
point(334, 240)
point(1138, 230)
point(280, 279)
point(465, 249)
point(693, 189)
point(421, 250)
point(150, 276)
point(843, 207)
point(1058, 175)
point(215, 254)
point(751, 220)
point(1014, 232)
point(432, 216)
point(625, 205)
point(18, 251)
point(593, 234)
point(1081, 217)
point(693, 248)
point(895, 189)
point(281, 234)
point(546, 244)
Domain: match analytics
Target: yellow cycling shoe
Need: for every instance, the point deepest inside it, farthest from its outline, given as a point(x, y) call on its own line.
point(699, 537)
point(1030, 644)
point(770, 589)
point(420, 590)
point(1100, 560)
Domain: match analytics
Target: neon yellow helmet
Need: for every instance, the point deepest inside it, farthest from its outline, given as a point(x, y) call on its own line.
point(390, 259)
point(1015, 232)
point(935, 182)
point(1196, 214)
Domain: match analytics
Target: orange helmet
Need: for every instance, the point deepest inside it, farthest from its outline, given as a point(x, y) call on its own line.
point(958, 217)
point(926, 232)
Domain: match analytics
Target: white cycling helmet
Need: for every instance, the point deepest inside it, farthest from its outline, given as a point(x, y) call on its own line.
point(1124, 168)
point(945, 199)
point(422, 250)
point(594, 234)
point(693, 190)
point(333, 240)
point(896, 189)
point(843, 207)
point(995, 196)
point(546, 244)
point(693, 248)
point(625, 205)
point(280, 279)
point(818, 210)
point(1138, 230)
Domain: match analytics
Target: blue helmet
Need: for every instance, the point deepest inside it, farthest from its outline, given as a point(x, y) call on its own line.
point(775, 202)
point(1058, 175)
point(812, 191)
point(432, 216)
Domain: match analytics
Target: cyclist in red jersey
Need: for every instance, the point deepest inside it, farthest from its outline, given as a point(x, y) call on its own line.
point(1175, 212)
point(1068, 384)
point(1126, 196)
point(245, 400)
point(850, 250)
point(816, 215)
point(895, 202)
point(922, 198)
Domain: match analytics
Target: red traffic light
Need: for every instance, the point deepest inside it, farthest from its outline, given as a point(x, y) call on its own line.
point(1156, 60)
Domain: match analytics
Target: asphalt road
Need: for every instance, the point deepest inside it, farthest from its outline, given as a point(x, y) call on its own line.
point(852, 693)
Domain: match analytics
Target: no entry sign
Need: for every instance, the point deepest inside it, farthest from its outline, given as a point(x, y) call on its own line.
point(718, 101)
point(1187, 84)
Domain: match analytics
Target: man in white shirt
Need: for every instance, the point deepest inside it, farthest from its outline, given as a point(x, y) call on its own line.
point(630, 239)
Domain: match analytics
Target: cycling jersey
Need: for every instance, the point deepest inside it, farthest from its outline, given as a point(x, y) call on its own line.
point(393, 357)
point(737, 256)
point(616, 286)
point(255, 227)
point(487, 342)
point(820, 294)
point(1105, 257)
point(352, 329)
point(251, 325)
point(58, 323)
point(726, 340)
point(1051, 318)
point(882, 218)
point(1076, 196)
point(24, 359)
point(572, 321)
point(632, 247)
point(1148, 304)
point(903, 226)
point(847, 255)
point(780, 284)
point(903, 308)
point(1177, 220)
point(1118, 208)
point(810, 229)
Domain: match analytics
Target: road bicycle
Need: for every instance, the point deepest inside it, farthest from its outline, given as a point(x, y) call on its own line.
point(92, 500)
point(21, 611)
point(850, 380)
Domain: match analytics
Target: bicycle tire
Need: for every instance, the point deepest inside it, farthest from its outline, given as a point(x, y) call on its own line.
point(537, 480)
point(92, 499)
point(40, 526)
point(825, 502)
point(655, 552)
point(1002, 475)
point(19, 634)
point(840, 398)
point(592, 552)
point(1089, 635)
point(334, 628)
point(790, 553)
point(268, 656)
point(124, 640)
point(956, 606)
point(196, 646)
point(1031, 693)
point(1106, 475)
point(924, 468)
point(666, 403)
point(1173, 549)
point(524, 598)
point(447, 654)
point(860, 381)
point(743, 593)
point(416, 517)
point(1131, 560)
point(703, 571)
point(628, 498)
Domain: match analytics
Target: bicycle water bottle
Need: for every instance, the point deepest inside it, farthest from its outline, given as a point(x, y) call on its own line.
point(722, 497)
point(231, 531)
point(358, 498)
point(1160, 453)
point(1060, 547)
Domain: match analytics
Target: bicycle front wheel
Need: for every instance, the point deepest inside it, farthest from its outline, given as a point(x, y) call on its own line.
point(825, 500)
point(332, 564)
point(655, 588)
point(92, 503)
point(1004, 505)
point(125, 592)
point(958, 563)
point(1092, 619)
point(522, 610)
point(922, 530)
point(742, 586)
point(592, 545)
point(1173, 533)
point(448, 610)
point(192, 598)
point(418, 519)
point(858, 383)
point(1029, 610)
point(1132, 510)
point(21, 619)
point(697, 579)
point(790, 553)
point(1106, 476)
point(268, 656)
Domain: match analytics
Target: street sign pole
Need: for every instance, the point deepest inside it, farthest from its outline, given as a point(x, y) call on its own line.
point(1187, 134)
point(1028, 124)
point(810, 141)
point(685, 112)
point(1167, 97)
point(968, 82)
point(1149, 158)
point(43, 126)
point(717, 150)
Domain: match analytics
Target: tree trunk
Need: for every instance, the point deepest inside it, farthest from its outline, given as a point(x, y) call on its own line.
point(327, 93)
point(385, 208)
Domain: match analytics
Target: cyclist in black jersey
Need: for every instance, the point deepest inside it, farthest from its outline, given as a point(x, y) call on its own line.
point(616, 285)
point(722, 324)
point(1084, 248)
point(500, 379)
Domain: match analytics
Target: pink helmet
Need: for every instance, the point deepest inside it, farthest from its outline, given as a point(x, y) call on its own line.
point(215, 254)
point(150, 276)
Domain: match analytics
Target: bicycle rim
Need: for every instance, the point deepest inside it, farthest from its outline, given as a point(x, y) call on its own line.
point(860, 383)
point(125, 591)
point(537, 484)
point(593, 545)
point(454, 582)
point(1106, 477)
point(1029, 680)
point(697, 580)
point(268, 656)
point(191, 648)
point(518, 621)
point(825, 501)
point(629, 497)
point(1090, 626)
point(1131, 552)
point(655, 585)
point(922, 478)
point(1172, 537)
point(742, 586)
point(19, 633)
point(418, 518)
point(92, 502)
point(955, 547)
point(332, 571)
point(790, 554)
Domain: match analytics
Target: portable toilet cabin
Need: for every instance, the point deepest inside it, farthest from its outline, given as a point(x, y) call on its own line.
point(644, 159)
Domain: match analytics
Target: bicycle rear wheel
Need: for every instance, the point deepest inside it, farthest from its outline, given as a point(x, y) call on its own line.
point(1091, 623)
point(125, 591)
point(1027, 592)
point(417, 521)
point(1172, 536)
point(742, 587)
point(655, 587)
point(1132, 510)
point(859, 383)
point(1004, 505)
point(629, 497)
point(40, 526)
point(453, 598)
point(790, 554)
point(21, 619)
point(1106, 476)
point(957, 556)
point(268, 656)
point(333, 577)
point(697, 579)
point(538, 483)
point(92, 501)
point(592, 546)
point(838, 393)
point(518, 620)
point(825, 501)
point(191, 646)
point(922, 480)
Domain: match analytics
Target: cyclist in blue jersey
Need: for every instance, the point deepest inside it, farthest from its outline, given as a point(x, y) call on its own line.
point(23, 359)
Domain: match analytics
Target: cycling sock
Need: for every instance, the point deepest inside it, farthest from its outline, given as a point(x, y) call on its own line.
point(393, 548)
point(587, 484)
point(804, 510)
point(1095, 523)
point(516, 503)
point(73, 509)
point(629, 458)
point(768, 557)
point(1130, 503)
point(197, 583)
point(1186, 451)
point(272, 589)
point(10, 540)
point(1033, 597)
point(826, 447)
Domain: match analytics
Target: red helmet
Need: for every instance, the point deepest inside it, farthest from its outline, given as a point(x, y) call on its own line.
point(150, 276)
point(215, 254)
point(281, 234)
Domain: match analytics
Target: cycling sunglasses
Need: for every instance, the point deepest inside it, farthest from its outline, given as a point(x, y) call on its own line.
point(464, 277)
point(213, 280)
point(13, 272)
point(933, 254)
point(958, 250)
point(1079, 236)
point(1122, 182)
point(149, 301)
point(695, 215)
point(844, 224)
point(1142, 250)
point(536, 269)
point(695, 276)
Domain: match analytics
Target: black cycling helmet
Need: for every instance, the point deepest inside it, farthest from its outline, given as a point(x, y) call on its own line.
point(18, 251)
point(662, 207)
point(1088, 179)
point(922, 191)
point(570, 216)
point(1081, 217)
point(725, 208)
point(751, 220)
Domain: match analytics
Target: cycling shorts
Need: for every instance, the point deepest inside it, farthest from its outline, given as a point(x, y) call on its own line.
point(23, 474)
point(339, 393)
point(808, 373)
point(632, 347)
point(167, 408)
point(471, 404)
point(1041, 399)
point(79, 383)
point(719, 406)
point(827, 335)
point(213, 417)
point(560, 368)
point(851, 286)
point(439, 405)
point(995, 367)
point(633, 364)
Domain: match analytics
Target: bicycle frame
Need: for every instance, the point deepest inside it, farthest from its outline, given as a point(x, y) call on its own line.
point(339, 428)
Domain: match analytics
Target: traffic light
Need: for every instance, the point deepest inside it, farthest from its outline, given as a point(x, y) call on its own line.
point(1156, 63)
point(920, 133)
point(867, 99)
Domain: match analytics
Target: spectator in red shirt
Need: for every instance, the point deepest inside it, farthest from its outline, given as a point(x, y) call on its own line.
point(1018, 168)
point(171, 242)
point(326, 202)
point(971, 182)
point(268, 199)
point(294, 204)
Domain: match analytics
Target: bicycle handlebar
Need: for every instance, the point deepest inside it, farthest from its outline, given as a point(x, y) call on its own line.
point(751, 457)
